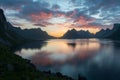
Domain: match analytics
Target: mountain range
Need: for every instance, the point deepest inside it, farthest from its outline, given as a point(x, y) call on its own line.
point(32, 34)
point(14, 35)
point(105, 34)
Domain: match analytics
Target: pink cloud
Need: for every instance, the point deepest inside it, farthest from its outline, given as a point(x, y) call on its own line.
point(41, 16)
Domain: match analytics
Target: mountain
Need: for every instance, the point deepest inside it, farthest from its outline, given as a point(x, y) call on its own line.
point(32, 34)
point(110, 34)
point(7, 36)
point(73, 34)
point(115, 32)
point(103, 33)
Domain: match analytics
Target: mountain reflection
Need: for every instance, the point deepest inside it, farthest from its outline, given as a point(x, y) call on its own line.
point(93, 58)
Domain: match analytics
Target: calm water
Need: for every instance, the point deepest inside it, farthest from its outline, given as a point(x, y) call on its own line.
point(93, 58)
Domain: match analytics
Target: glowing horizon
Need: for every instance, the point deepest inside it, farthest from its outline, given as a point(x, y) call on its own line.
point(60, 34)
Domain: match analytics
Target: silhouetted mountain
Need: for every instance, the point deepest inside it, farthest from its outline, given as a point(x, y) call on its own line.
point(115, 32)
point(73, 34)
point(110, 34)
point(103, 33)
point(6, 36)
point(33, 34)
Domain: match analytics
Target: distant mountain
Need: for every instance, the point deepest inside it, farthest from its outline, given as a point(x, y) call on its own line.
point(110, 34)
point(33, 34)
point(73, 34)
point(103, 33)
point(6, 36)
point(115, 32)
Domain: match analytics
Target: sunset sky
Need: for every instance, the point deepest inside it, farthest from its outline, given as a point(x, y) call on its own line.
point(58, 16)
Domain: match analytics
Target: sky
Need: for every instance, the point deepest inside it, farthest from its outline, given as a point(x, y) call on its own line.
point(57, 16)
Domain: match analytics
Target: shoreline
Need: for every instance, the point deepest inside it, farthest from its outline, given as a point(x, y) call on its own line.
point(13, 65)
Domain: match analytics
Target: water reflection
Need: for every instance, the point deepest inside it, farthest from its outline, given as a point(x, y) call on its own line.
point(93, 58)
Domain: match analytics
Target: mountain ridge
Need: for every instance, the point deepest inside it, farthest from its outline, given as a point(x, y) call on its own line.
point(33, 34)
point(113, 33)
point(70, 34)
point(11, 35)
